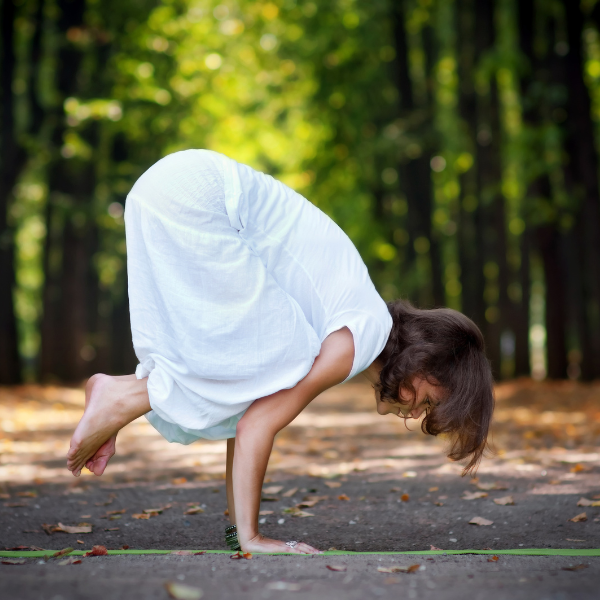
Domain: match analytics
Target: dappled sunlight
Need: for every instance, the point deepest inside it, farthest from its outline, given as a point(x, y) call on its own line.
point(538, 427)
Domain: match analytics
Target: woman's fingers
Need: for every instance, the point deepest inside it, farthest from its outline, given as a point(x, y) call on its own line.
point(303, 548)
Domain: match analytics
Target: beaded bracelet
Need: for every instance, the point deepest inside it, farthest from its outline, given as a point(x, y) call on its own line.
point(231, 538)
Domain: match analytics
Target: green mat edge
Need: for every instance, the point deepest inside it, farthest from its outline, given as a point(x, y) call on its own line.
point(513, 551)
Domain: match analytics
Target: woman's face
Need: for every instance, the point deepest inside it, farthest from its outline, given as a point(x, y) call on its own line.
point(427, 396)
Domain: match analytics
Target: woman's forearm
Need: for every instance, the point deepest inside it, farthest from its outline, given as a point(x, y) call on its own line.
point(252, 450)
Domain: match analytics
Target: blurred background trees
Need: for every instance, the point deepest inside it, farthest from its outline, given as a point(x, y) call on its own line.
point(453, 140)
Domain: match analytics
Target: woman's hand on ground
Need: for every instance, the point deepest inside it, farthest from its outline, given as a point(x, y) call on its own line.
point(263, 544)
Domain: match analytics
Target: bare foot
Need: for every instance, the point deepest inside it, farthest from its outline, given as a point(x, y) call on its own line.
point(97, 464)
point(93, 442)
point(263, 544)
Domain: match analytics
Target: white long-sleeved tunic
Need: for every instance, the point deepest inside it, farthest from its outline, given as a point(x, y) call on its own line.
point(234, 282)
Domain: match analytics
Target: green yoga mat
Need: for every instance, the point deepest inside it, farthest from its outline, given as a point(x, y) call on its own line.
point(514, 552)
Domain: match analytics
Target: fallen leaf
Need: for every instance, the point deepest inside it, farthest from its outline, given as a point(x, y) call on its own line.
point(124, 547)
point(497, 485)
point(111, 513)
point(578, 518)
point(81, 528)
point(405, 497)
point(111, 529)
point(493, 558)
point(575, 567)
point(555, 482)
point(264, 513)
point(399, 569)
point(194, 510)
point(179, 481)
point(395, 490)
point(296, 512)
point(434, 548)
point(273, 489)
point(434, 489)
point(291, 492)
point(226, 512)
point(409, 474)
point(85, 516)
point(333, 484)
point(439, 503)
point(343, 497)
point(62, 552)
point(178, 591)
point(195, 553)
point(480, 521)
point(474, 480)
point(336, 567)
point(586, 502)
point(269, 499)
point(578, 468)
point(97, 551)
point(71, 560)
point(307, 503)
point(13, 561)
point(574, 540)
point(140, 516)
point(239, 555)
point(504, 501)
point(30, 494)
point(154, 511)
point(474, 495)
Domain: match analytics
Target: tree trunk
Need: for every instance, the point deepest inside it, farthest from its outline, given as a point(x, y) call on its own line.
point(10, 156)
point(415, 173)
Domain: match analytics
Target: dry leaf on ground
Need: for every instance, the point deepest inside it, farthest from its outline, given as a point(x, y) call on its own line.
point(336, 567)
point(179, 481)
point(343, 497)
point(586, 502)
point(434, 489)
point(194, 510)
point(575, 567)
point(578, 468)
point(474, 495)
point(405, 497)
point(239, 555)
point(269, 499)
point(296, 512)
point(274, 489)
point(504, 501)
point(13, 561)
point(399, 569)
point(578, 518)
point(30, 494)
point(480, 521)
point(493, 558)
point(497, 485)
point(333, 484)
point(434, 548)
point(290, 493)
point(140, 516)
point(97, 551)
point(178, 591)
point(62, 552)
point(264, 513)
point(70, 560)
point(81, 528)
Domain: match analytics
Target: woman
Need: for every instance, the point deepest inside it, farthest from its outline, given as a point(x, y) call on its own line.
point(246, 303)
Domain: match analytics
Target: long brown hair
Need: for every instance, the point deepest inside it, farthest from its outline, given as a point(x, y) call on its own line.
point(446, 348)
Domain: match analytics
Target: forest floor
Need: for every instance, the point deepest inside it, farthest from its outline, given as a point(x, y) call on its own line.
point(367, 484)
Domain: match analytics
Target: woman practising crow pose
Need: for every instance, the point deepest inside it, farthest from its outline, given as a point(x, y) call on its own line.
point(246, 303)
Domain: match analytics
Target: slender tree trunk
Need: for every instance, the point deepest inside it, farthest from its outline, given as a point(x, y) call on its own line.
point(10, 158)
point(582, 175)
point(415, 173)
